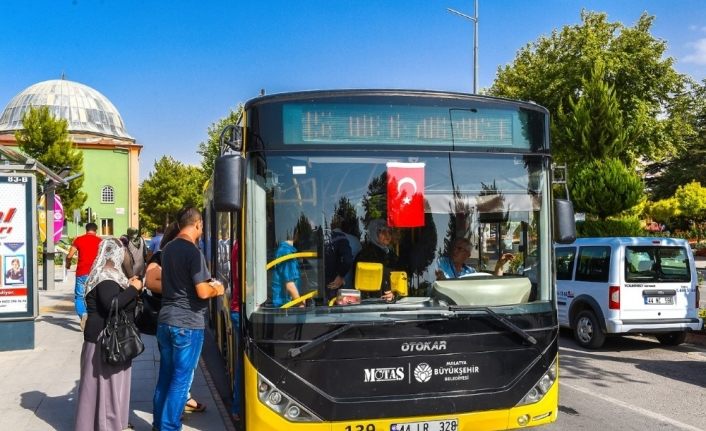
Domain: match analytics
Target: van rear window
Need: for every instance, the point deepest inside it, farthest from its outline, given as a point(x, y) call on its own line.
point(657, 264)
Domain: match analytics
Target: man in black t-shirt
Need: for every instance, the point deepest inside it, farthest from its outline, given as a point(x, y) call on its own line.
point(186, 288)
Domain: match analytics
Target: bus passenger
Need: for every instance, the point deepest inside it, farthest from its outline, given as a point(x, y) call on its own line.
point(340, 252)
point(455, 266)
point(377, 249)
point(286, 277)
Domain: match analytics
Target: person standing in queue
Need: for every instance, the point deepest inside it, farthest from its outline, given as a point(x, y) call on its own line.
point(153, 283)
point(104, 389)
point(87, 247)
point(186, 288)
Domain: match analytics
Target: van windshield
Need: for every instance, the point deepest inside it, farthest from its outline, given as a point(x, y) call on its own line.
point(657, 264)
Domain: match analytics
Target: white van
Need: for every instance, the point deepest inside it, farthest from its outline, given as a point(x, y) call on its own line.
point(627, 285)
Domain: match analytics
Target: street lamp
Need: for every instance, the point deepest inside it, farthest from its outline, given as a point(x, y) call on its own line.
point(473, 18)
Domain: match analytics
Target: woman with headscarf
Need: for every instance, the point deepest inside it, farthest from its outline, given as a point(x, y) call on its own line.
point(104, 389)
point(377, 248)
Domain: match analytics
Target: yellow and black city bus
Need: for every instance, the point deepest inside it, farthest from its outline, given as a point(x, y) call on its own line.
point(444, 353)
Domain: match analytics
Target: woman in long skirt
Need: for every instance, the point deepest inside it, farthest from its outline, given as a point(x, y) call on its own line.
point(104, 389)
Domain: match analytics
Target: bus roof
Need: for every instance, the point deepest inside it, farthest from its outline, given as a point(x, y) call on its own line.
point(432, 94)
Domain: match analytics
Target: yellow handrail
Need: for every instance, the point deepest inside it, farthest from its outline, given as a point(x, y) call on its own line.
point(289, 257)
point(302, 298)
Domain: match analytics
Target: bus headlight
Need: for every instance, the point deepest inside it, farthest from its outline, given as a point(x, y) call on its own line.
point(541, 387)
point(281, 403)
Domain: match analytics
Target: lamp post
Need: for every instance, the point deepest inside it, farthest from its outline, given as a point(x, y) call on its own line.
point(50, 190)
point(473, 18)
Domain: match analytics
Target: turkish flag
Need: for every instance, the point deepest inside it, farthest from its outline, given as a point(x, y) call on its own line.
point(405, 194)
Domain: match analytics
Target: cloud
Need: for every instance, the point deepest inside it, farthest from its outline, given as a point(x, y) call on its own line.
point(698, 56)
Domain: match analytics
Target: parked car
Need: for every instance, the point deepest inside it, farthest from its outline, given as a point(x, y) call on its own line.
point(627, 285)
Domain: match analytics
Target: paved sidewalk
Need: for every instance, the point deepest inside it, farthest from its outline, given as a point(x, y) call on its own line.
point(39, 387)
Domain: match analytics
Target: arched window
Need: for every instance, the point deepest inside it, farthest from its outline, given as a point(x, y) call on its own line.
point(107, 195)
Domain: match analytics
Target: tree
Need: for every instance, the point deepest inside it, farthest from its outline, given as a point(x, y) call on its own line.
point(170, 187)
point(47, 140)
point(689, 165)
point(692, 201)
point(664, 210)
point(605, 188)
point(593, 126)
point(345, 217)
point(210, 148)
point(649, 92)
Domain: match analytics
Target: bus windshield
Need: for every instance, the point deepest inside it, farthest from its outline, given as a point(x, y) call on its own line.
point(429, 228)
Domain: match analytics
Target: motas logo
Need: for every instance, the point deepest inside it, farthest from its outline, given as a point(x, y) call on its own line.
point(424, 346)
point(384, 374)
point(422, 372)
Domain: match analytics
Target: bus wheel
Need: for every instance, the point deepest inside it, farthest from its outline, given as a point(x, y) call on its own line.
point(587, 330)
point(672, 338)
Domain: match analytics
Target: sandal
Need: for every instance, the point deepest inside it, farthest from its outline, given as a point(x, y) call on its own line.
point(188, 408)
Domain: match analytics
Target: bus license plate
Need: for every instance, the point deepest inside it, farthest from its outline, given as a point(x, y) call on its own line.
point(662, 300)
point(437, 425)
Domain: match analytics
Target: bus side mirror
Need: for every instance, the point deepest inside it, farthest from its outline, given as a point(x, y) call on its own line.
point(564, 222)
point(227, 180)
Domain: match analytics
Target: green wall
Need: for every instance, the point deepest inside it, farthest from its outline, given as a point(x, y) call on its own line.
point(105, 167)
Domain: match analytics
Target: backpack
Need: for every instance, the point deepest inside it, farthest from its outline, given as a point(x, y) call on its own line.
point(139, 260)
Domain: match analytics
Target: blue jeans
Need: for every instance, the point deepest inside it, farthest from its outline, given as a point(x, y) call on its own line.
point(235, 320)
point(179, 351)
point(80, 295)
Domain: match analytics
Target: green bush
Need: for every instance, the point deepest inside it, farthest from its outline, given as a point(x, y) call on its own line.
point(605, 188)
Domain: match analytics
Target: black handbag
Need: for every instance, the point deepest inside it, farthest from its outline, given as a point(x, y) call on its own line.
point(147, 312)
point(120, 340)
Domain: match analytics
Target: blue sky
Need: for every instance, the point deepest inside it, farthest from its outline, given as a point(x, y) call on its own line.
point(173, 68)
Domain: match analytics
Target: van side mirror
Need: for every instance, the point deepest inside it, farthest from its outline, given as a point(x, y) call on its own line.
point(564, 222)
point(227, 180)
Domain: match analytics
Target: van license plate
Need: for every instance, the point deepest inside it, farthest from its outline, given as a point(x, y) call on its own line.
point(437, 425)
point(661, 300)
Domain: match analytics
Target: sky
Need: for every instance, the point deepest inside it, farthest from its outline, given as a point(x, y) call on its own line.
point(172, 68)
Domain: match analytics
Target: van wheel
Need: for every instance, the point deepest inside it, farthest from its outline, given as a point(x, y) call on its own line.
point(672, 338)
point(587, 330)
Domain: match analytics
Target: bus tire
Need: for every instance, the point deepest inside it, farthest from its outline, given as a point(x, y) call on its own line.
point(587, 330)
point(672, 338)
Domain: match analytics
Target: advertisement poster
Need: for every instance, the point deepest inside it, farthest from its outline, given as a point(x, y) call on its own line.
point(16, 245)
point(58, 218)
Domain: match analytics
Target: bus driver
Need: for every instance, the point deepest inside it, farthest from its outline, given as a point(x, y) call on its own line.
point(455, 266)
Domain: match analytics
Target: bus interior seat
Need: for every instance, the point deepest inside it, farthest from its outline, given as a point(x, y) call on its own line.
point(484, 291)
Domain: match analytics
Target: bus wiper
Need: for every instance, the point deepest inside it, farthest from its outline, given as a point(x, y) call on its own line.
point(503, 320)
point(296, 351)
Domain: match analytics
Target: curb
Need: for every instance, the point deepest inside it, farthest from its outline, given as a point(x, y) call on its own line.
point(698, 338)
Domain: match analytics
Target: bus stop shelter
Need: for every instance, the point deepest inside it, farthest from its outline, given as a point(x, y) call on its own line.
point(19, 258)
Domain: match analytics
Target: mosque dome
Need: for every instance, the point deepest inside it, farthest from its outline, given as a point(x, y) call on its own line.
point(85, 109)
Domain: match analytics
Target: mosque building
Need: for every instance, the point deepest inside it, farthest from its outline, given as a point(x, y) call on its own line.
point(110, 154)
